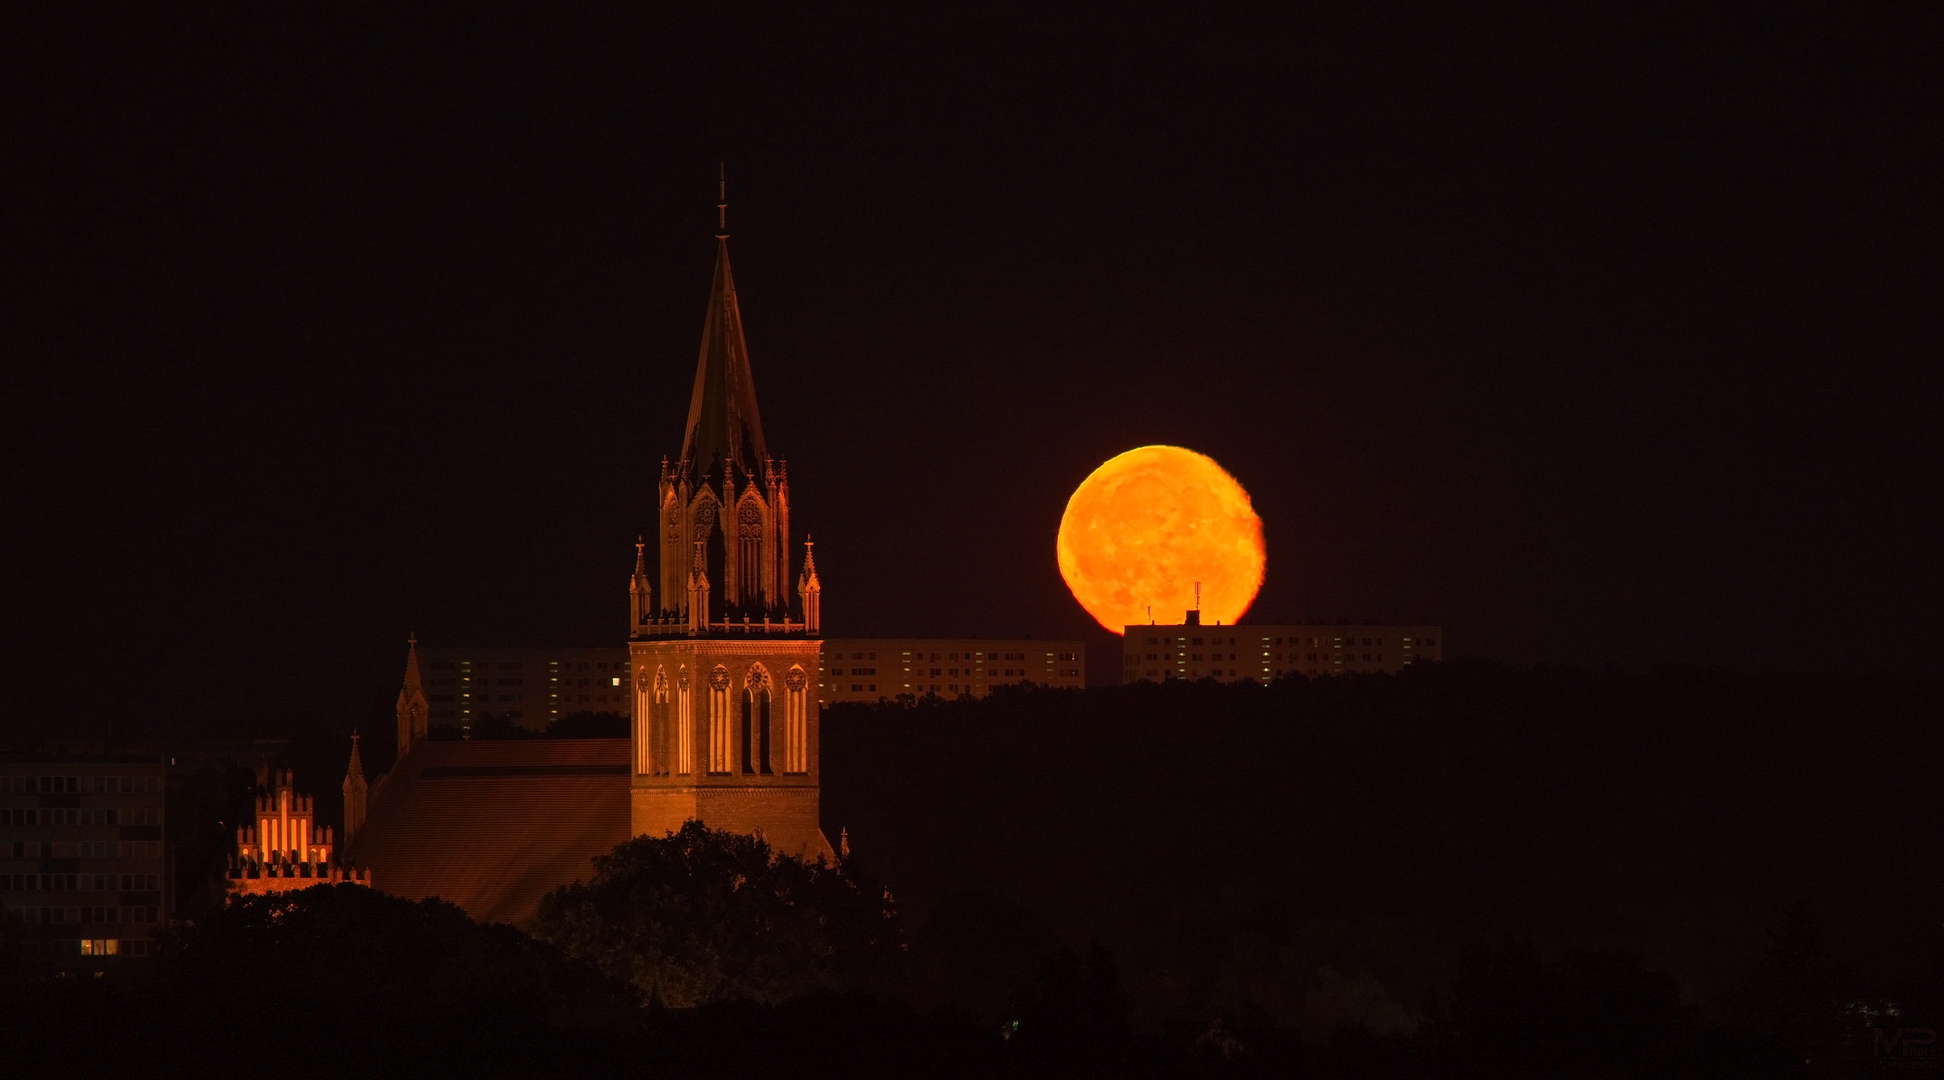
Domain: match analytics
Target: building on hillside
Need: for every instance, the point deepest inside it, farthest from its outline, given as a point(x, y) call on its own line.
point(81, 855)
point(530, 687)
point(1266, 651)
point(884, 669)
point(284, 850)
point(534, 686)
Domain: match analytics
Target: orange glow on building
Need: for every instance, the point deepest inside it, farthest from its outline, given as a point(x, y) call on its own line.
point(1157, 531)
point(285, 849)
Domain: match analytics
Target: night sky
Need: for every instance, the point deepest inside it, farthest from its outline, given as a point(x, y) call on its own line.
point(1595, 338)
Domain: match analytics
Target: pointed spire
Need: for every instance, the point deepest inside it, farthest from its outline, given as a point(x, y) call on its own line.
point(355, 791)
point(413, 706)
point(811, 589)
point(640, 592)
point(412, 680)
point(354, 776)
point(723, 424)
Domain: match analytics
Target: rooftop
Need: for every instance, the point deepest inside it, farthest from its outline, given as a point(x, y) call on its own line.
point(495, 825)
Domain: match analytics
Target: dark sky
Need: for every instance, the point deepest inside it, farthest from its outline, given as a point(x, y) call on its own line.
point(1600, 337)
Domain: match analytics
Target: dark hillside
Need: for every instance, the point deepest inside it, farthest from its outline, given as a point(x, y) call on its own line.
point(1383, 825)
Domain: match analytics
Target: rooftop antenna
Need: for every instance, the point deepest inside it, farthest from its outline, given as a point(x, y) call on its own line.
point(722, 201)
point(1197, 596)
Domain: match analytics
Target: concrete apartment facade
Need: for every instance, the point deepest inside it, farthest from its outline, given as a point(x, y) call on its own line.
point(81, 854)
point(1268, 651)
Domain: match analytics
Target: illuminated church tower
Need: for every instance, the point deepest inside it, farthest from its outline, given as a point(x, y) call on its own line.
point(724, 644)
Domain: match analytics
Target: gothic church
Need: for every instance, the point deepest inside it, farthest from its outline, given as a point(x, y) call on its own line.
point(724, 647)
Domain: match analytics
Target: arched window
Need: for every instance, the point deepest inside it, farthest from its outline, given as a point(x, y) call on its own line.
point(796, 721)
point(684, 723)
point(749, 550)
point(756, 721)
point(662, 735)
point(647, 716)
point(719, 748)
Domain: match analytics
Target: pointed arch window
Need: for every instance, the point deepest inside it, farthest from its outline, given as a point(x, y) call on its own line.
point(719, 732)
point(684, 723)
point(749, 550)
point(796, 721)
point(756, 734)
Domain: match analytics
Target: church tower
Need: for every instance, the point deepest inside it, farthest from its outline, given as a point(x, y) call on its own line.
point(724, 654)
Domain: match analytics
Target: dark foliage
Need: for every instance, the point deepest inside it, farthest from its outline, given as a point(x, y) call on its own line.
point(705, 916)
point(349, 949)
point(1271, 854)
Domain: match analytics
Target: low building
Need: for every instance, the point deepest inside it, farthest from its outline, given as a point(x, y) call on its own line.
point(81, 855)
point(284, 850)
point(884, 669)
point(1268, 651)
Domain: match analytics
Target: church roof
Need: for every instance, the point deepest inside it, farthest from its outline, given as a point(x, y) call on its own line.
point(494, 825)
point(723, 425)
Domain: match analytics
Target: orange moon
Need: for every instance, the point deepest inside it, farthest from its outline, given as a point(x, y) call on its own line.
point(1146, 526)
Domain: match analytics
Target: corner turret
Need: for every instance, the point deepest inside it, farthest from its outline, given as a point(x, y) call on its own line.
point(812, 591)
point(355, 791)
point(413, 708)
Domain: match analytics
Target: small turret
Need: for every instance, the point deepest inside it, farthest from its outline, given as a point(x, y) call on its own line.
point(812, 590)
point(699, 592)
point(355, 790)
point(640, 593)
point(413, 708)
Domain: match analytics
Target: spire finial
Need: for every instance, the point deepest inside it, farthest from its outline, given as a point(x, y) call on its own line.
point(722, 201)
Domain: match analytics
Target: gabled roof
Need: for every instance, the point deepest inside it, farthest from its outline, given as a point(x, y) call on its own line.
point(723, 425)
point(494, 825)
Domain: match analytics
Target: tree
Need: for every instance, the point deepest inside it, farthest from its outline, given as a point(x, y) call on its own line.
point(702, 916)
point(351, 948)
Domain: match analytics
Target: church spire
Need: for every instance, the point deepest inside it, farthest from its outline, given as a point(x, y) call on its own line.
point(640, 592)
point(355, 790)
point(412, 704)
point(723, 425)
point(811, 590)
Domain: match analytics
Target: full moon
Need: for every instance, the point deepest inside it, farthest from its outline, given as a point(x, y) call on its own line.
point(1145, 527)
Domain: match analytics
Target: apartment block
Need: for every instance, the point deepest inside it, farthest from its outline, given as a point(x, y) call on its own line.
point(81, 853)
point(1265, 652)
point(528, 686)
point(883, 669)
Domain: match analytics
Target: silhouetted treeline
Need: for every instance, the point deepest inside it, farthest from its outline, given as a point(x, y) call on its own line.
point(1459, 871)
point(1325, 852)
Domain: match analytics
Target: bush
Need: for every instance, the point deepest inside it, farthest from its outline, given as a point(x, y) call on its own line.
point(703, 916)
